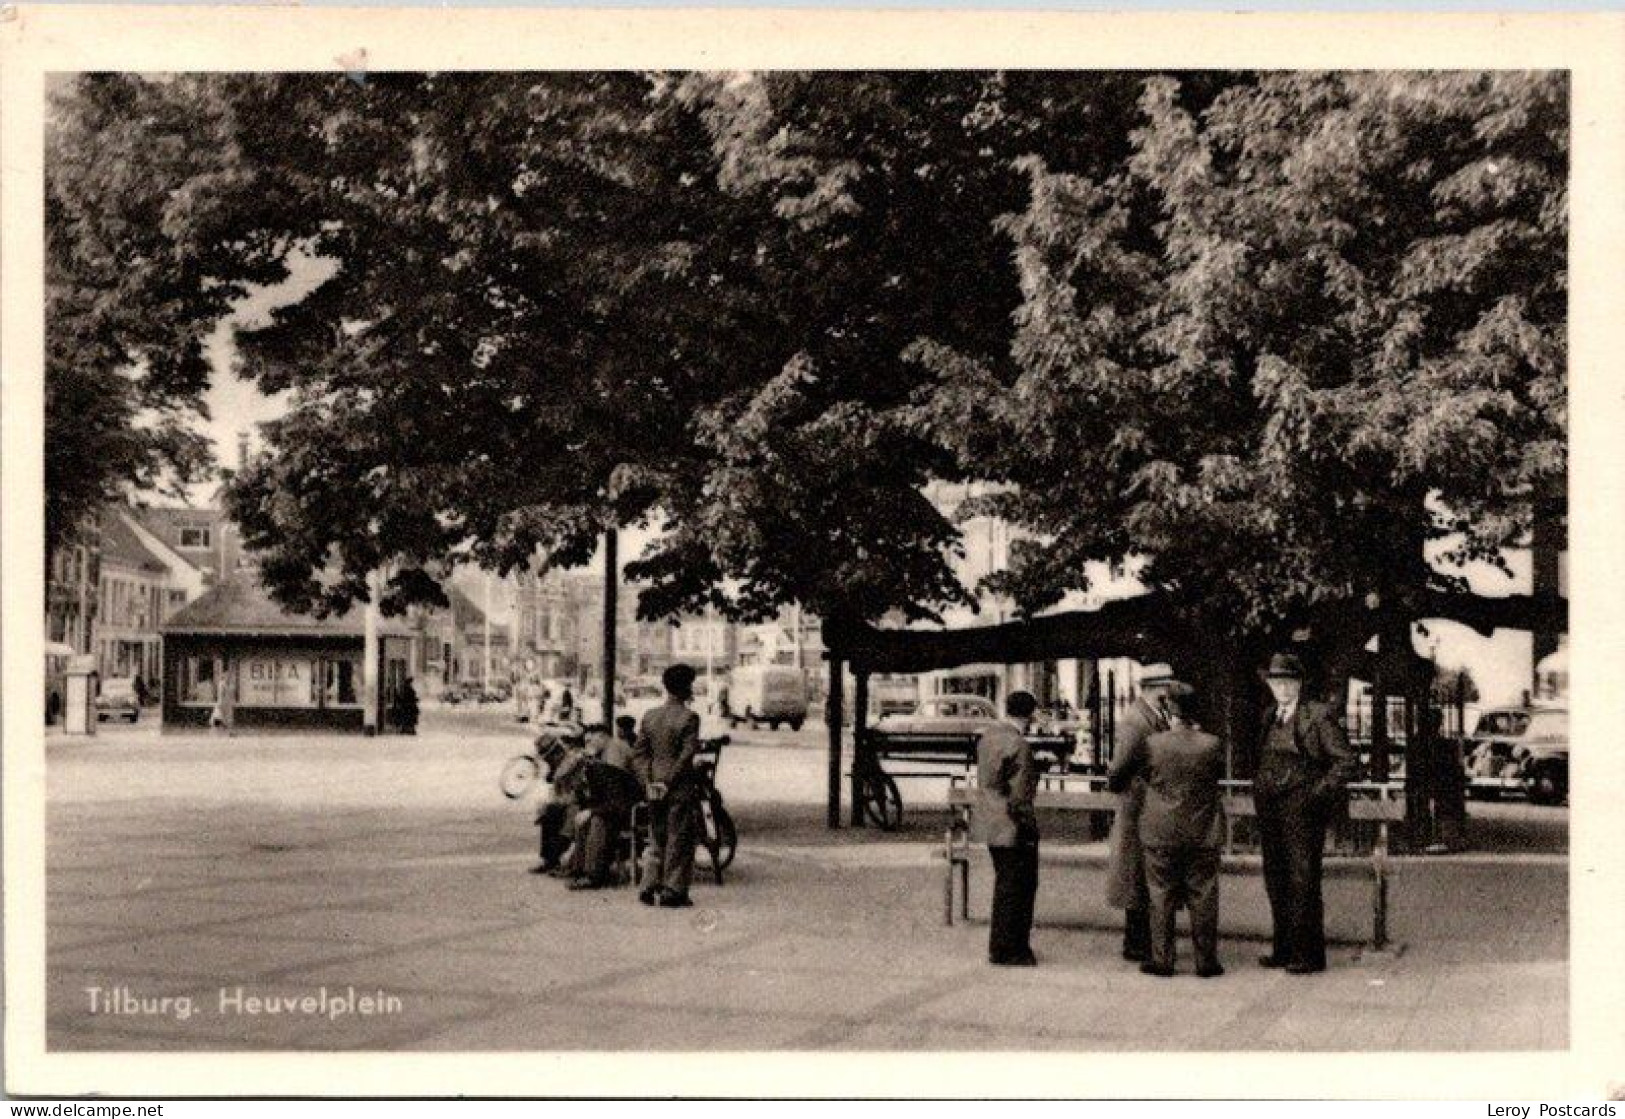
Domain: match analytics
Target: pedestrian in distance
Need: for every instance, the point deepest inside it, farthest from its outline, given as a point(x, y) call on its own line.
point(1304, 764)
point(224, 715)
point(405, 711)
point(1181, 831)
point(626, 729)
point(1003, 817)
point(667, 741)
point(1126, 887)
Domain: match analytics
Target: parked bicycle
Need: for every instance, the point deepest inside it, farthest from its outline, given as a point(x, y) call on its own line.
point(718, 835)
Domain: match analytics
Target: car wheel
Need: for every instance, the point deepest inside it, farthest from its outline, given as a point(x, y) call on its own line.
point(752, 721)
point(795, 724)
point(1546, 787)
point(772, 724)
point(135, 717)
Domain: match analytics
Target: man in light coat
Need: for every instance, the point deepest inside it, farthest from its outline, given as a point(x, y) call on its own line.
point(1181, 831)
point(1003, 817)
point(1126, 887)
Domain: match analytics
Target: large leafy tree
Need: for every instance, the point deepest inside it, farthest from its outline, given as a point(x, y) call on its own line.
point(129, 301)
point(1314, 327)
point(535, 279)
point(885, 191)
point(1272, 335)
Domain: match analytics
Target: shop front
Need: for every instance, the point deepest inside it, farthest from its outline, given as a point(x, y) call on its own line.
point(234, 657)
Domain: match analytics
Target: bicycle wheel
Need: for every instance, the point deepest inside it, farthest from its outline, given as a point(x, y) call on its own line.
point(518, 775)
point(725, 835)
point(882, 801)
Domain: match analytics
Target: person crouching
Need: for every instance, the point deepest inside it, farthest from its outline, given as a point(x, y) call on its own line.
point(605, 795)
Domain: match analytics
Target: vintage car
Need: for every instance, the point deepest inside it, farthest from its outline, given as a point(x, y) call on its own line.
point(117, 700)
point(946, 727)
point(1520, 750)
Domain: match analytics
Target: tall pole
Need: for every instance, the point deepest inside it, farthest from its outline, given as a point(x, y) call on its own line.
point(710, 654)
point(612, 579)
point(369, 659)
point(485, 667)
point(833, 718)
point(860, 746)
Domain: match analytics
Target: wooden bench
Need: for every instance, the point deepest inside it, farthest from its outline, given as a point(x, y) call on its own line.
point(1380, 802)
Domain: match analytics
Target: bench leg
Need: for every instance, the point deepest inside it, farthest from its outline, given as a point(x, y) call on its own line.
point(948, 891)
point(1379, 889)
point(964, 887)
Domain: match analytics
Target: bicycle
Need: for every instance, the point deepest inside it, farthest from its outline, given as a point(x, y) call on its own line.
point(521, 772)
point(718, 834)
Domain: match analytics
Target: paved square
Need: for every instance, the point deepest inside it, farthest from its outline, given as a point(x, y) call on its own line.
point(308, 869)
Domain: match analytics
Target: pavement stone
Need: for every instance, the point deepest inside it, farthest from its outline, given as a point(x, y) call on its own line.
point(288, 863)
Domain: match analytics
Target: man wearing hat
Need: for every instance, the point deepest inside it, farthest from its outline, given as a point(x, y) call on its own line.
point(557, 749)
point(1304, 762)
point(1004, 819)
point(1126, 887)
point(663, 758)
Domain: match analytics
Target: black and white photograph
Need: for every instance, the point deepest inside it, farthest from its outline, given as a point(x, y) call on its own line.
point(840, 559)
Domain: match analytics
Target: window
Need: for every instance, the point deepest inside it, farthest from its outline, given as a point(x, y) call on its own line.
point(275, 680)
point(197, 681)
point(1549, 726)
point(195, 536)
point(340, 678)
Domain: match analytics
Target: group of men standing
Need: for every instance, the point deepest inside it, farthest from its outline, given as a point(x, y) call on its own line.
point(1169, 827)
point(598, 779)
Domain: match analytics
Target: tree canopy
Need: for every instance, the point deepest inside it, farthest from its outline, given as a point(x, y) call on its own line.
point(1309, 328)
point(1273, 334)
point(135, 280)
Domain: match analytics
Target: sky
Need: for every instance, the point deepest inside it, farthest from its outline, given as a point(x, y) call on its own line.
point(236, 405)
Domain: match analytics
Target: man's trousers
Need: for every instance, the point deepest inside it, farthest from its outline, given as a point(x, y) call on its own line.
point(1187, 876)
point(1015, 887)
point(1292, 835)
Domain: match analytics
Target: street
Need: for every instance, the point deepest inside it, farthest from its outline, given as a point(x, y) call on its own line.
point(187, 865)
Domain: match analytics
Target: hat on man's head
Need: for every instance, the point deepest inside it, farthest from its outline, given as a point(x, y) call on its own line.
point(679, 680)
point(1161, 675)
point(1284, 666)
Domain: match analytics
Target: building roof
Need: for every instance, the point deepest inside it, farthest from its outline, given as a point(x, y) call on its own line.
point(120, 544)
point(243, 606)
point(162, 518)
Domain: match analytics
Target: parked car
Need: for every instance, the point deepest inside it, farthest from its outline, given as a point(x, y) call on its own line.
point(771, 694)
point(1520, 749)
point(117, 699)
point(948, 726)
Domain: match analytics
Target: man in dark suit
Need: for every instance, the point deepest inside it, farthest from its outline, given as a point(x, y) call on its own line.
point(1181, 831)
point(663, 756)
point(1125, 872)
point(1304, 762)
point(1003, 817)
point(606, 791)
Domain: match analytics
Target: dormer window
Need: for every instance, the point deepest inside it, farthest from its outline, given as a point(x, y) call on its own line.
point(195, 536)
